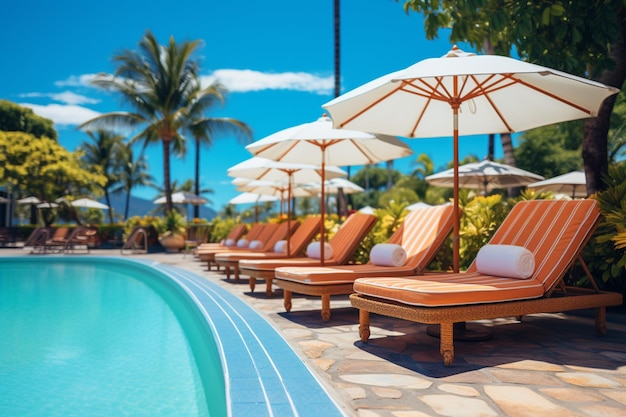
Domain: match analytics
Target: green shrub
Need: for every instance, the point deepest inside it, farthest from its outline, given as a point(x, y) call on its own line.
point(606, 252)
point(481, 218)
point(220, 227)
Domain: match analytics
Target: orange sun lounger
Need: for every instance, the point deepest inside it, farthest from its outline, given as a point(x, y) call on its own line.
point(233, 236)
point(344, 243)
point(297, 244)
point(208, 254)
point(555, 232)
point(421, 235)
point(230, 260)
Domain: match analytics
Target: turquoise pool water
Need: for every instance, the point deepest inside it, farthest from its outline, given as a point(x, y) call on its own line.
point(110, 336)
point(102, 338)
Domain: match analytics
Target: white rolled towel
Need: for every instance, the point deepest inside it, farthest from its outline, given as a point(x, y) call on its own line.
point(242, 243)
point(280, 246)
point(314, 250)
point(388, 254)
point(507, 261)
point(229, 242)
point(255, 244)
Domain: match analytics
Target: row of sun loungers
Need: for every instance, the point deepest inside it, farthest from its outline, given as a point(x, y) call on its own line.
point(520, 272)
point(62, 240)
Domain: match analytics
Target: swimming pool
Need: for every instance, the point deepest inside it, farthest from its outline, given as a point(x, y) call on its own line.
point(222, 357)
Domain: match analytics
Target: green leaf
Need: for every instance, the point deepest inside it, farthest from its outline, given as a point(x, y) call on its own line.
point(545, 17)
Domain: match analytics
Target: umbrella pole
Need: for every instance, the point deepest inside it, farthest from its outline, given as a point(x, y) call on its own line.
point(457, 223)
point(289, 215)
point(322, 208)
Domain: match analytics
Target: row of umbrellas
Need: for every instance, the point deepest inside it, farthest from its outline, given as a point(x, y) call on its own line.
point(81, 202)
point(456, 95)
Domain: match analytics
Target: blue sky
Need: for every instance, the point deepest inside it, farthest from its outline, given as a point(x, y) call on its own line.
point(276, 58)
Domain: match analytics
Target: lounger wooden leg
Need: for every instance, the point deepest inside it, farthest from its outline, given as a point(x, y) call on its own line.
point(325, 307)
point(287, 300)
point(446, 346)
point(252, 283)
point(236, 270)
point(364, 325)
point(227, 270)
point(268, 287)
point(601, 320)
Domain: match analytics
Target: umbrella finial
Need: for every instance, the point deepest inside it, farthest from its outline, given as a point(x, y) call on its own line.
point(457, 52)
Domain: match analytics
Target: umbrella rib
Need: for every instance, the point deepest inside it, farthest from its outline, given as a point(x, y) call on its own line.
point(549, 94)
point(369, 107)
point(485, 91)
point(429, 94)
point(362, 151)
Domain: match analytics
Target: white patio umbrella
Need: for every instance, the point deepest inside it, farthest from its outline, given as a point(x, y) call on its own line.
point(4, 200)
point(466, 94)
point(573, 184)
point(251, 198)
point(183, 197)
point(486, 175)
point(46, 205)
point(318, 143)
point(89, 203)
point(333, 186)
point(258, 168)
point(275, 188)
point(29, 200)
point(266, 169)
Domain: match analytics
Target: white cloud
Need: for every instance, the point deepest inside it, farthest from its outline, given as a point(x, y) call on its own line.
point(76, 81)
point(63, 114)
point(66, 97)
point(248, 80)
point(241, 81)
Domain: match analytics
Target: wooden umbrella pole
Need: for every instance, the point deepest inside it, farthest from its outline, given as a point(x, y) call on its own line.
point(289, 214)
point(457, 224)
point(322, 208)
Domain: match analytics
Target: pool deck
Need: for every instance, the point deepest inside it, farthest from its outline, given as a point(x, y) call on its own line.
point(549, 364)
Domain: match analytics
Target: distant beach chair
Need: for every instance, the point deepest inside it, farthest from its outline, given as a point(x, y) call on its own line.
point(343, 244)
point(301, 235)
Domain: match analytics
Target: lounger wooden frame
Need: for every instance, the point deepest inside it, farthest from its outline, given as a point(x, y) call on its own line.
point(446, 317)
point(557, 296)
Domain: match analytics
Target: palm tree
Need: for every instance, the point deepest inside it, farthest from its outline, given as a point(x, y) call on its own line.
point(133, 173)
point(104, 153)
point(160, 83)
point(204, 129)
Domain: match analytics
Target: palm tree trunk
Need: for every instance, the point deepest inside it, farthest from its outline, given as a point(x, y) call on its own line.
point(342, 198)
point(167, 186)
point(108, 200)
point(196, 207)
point(127, 204)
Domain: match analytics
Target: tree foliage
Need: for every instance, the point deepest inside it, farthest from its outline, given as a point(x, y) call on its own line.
point(105, 152)
point(551, 150)
point(586, 38)
point(15, 118)
point(43, 167)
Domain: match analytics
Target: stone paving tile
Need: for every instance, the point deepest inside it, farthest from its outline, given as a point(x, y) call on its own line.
point(547, 364)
